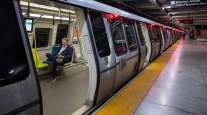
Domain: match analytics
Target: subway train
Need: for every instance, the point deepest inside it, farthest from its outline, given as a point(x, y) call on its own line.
point(115, 45)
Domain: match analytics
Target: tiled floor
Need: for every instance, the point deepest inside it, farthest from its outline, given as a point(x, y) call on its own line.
point(181, 89)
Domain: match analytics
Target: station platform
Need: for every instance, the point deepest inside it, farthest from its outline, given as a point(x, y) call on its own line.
point(174, 84)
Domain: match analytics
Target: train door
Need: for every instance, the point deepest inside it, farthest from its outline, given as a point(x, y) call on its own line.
point(133, 52)
point(157, 33)
point(174, 36)
point(105, 56)
point(162, 39)
point(19, 88)
point(146, 36)
point(120, 49)
point(170, 36)
point(166, 37)
point(142, 44)
point(154, 41)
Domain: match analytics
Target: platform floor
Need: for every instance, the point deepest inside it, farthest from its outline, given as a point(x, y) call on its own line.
point(181, 89)
point(174, 84)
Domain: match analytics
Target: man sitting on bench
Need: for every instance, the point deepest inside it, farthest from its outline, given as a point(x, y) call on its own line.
point(63, 56)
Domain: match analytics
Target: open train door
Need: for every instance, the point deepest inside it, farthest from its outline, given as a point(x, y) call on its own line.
point(19, 88)
point(142, 44)
point(147, 40)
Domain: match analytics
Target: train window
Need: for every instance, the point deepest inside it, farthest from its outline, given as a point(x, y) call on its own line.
point(62, 31)
point(130, 35)
point(99, 31)
point(150, 32)
point(141, 37)
point(165, 33)
point(14, 65)
point(158, 32)
point(155, 33)
point(42, 37)
point(169, 34)
point(118, 37)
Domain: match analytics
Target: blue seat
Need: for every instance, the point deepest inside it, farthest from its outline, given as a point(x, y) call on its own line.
point(54, 51)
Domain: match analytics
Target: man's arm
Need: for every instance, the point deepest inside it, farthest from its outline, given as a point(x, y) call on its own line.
point(68, 54)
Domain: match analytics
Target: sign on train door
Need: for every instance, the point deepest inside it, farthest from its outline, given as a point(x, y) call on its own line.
point(19, 89)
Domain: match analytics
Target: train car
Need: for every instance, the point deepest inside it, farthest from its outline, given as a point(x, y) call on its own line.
point(110, 46)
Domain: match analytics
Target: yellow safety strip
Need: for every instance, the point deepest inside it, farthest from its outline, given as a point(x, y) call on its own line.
point(126, 101)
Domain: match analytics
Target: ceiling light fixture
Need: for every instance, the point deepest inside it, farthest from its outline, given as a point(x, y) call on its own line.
point(45, 7)
point(166, 7)
point(47, 16)
point(173, 2)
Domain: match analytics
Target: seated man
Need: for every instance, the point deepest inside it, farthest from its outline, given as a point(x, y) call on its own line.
point(64, 55)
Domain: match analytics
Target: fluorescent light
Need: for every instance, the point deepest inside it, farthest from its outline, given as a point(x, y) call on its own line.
point(65, 10)
point(173, 2)
point(35, 15)
point(45, 7)
point(165, 7)
point(47, 16)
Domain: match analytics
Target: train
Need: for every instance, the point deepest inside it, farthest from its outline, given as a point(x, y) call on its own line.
point(116, 45)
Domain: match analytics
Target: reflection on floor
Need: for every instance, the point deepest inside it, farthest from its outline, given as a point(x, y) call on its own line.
point(181, 89)
point(68, 93)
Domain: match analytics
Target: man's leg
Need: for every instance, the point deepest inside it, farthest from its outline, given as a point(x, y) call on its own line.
point(54, 70)
point(51, 57)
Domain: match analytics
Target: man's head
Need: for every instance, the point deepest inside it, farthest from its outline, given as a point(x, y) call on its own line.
point(64, 41)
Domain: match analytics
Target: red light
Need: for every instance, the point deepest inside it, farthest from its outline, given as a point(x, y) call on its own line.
point(151, 25)
point(115, 16)
point(111, 17)
point(187, 21)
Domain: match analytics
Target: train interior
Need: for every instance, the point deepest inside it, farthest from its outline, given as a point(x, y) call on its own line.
point(46, 25)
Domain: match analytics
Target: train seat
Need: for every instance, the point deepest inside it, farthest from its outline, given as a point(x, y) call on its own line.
point(37, 60)
point(54, 51)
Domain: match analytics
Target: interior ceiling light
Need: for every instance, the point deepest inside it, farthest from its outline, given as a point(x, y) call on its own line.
point(173, 2)
point(166, 7)
point(45, 7)
point(47, 16)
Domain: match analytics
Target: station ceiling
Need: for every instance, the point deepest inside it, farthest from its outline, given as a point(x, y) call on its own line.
point(172, 12)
